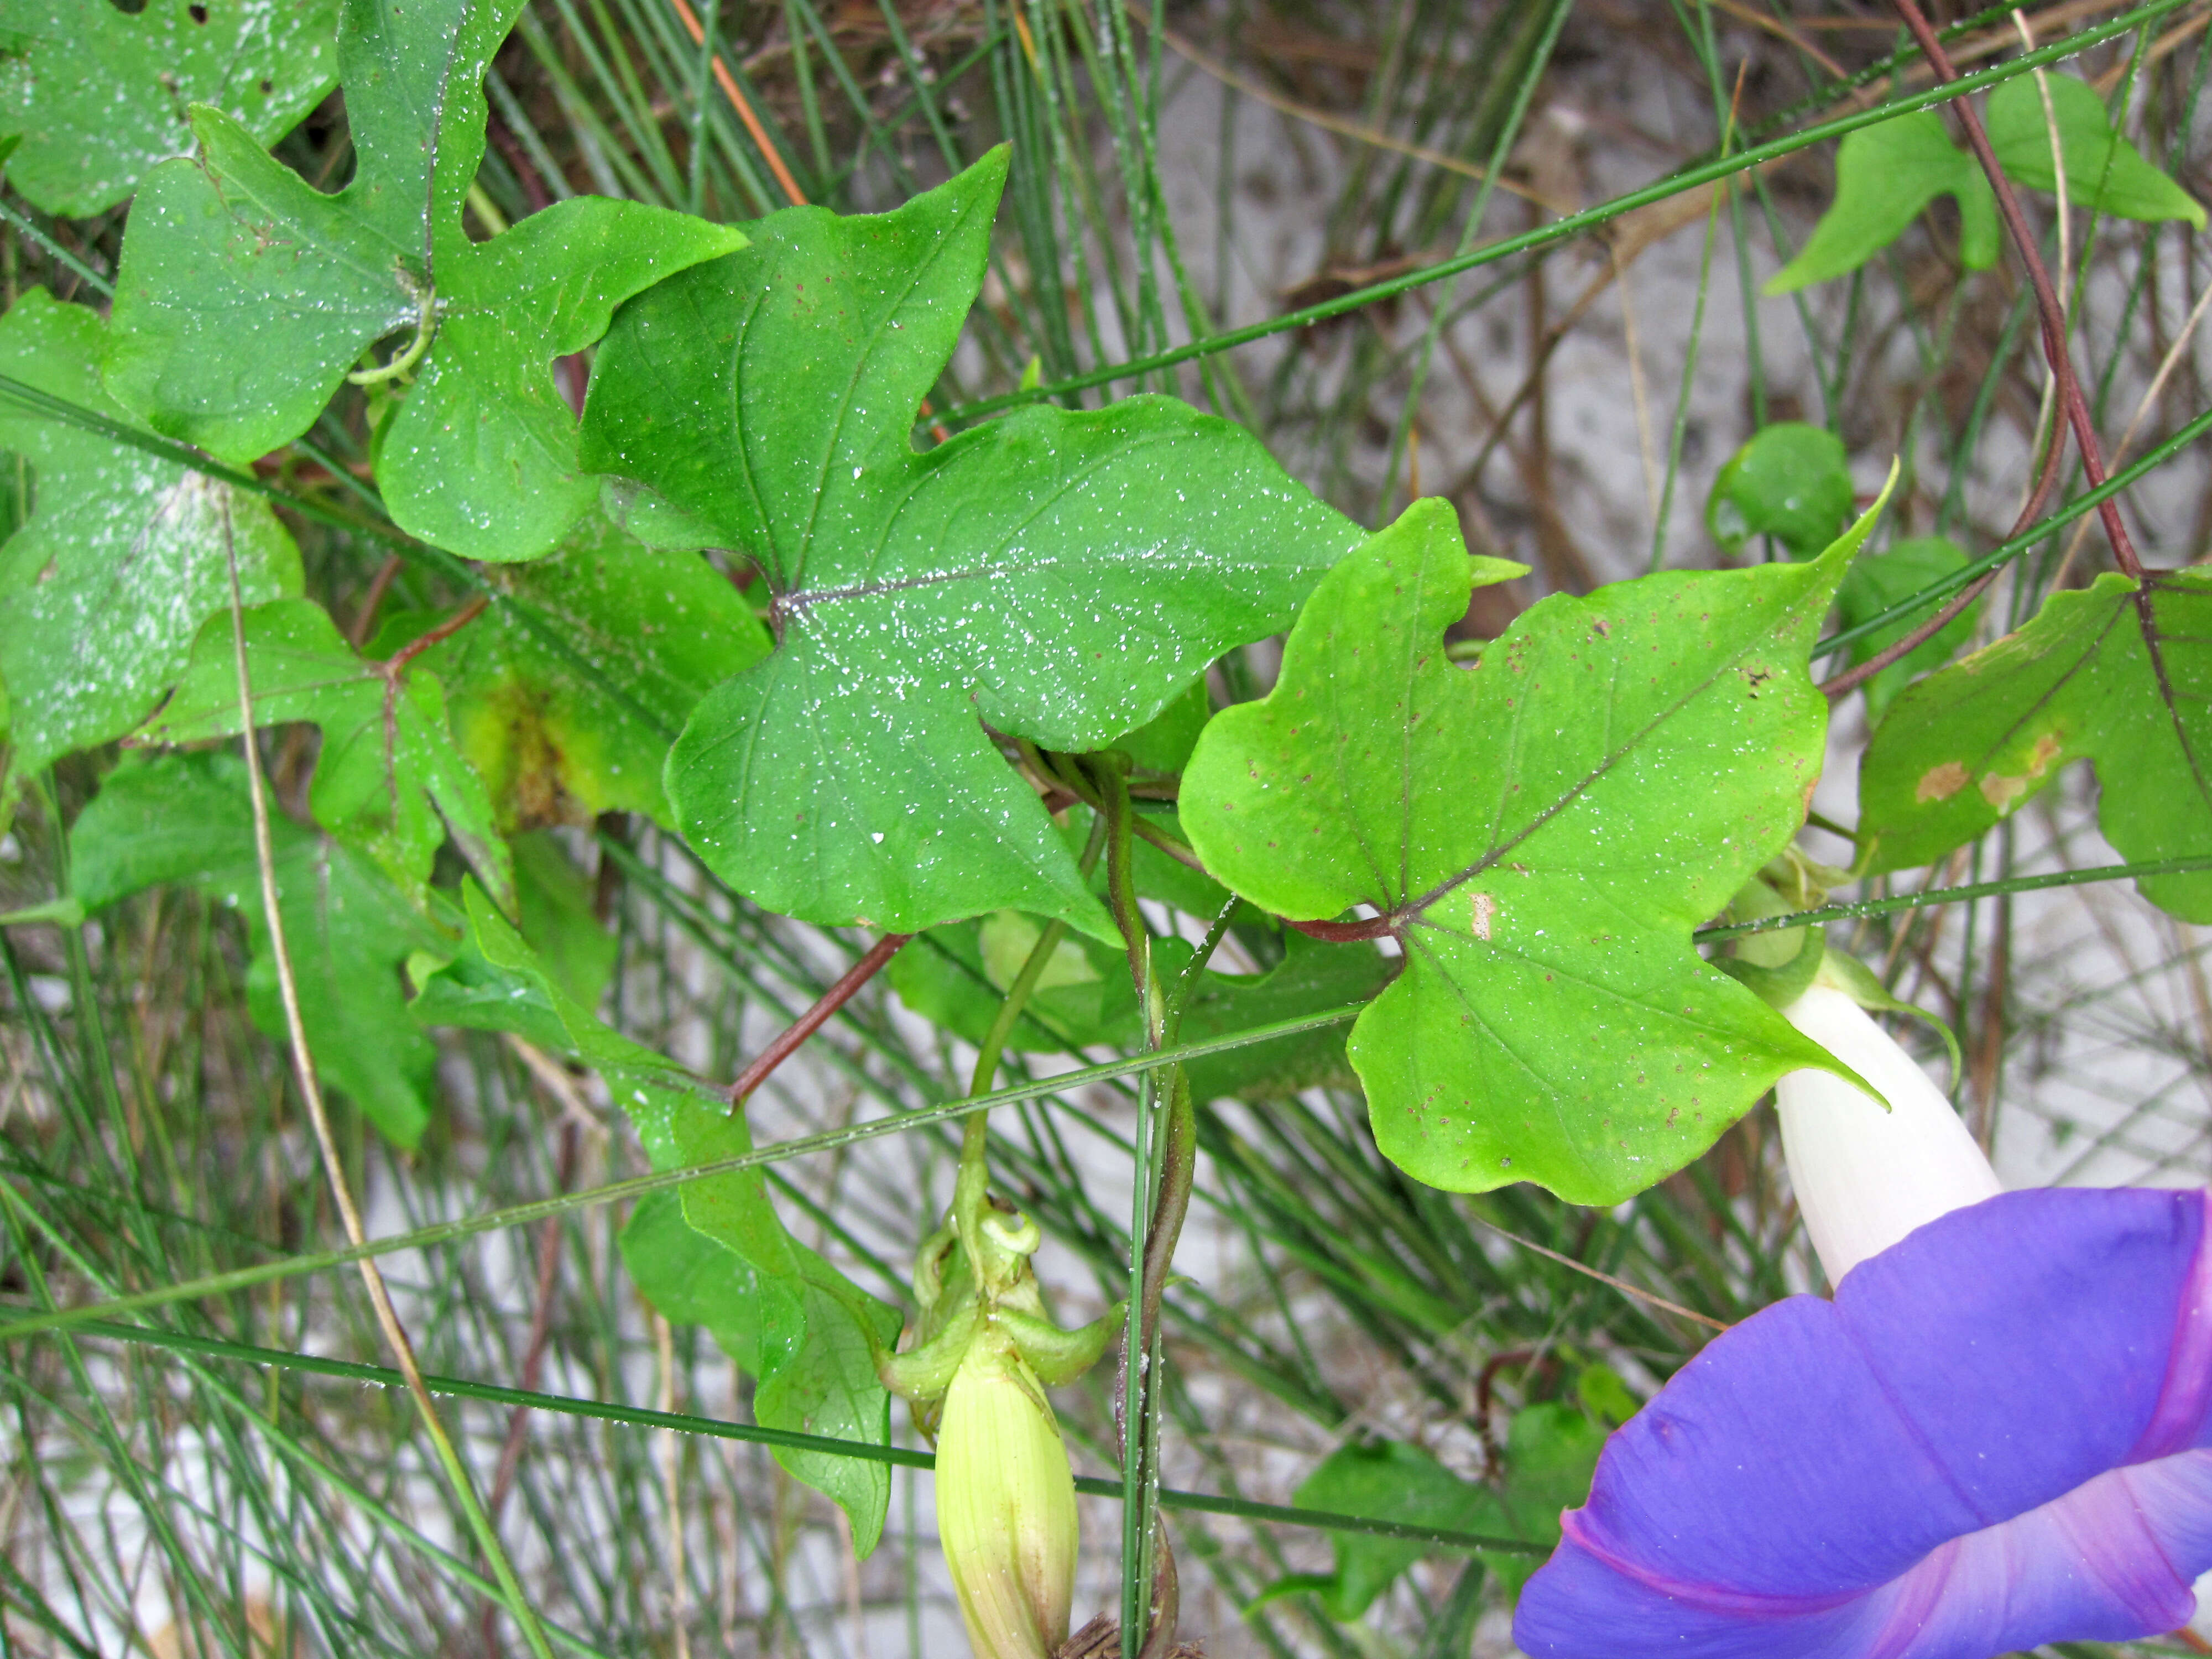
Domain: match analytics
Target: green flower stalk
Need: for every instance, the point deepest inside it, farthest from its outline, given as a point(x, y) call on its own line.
point(1005, 1504)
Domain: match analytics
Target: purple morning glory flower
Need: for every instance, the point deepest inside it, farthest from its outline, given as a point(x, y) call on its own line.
point(1998, 1434)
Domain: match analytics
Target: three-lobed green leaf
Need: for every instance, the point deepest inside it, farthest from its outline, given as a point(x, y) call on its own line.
point(2120, 674)
point(1542, 833)
point(1885, 174)
point(98, 94)
point(123, 558)
point(479, 456)
point(1053, 575)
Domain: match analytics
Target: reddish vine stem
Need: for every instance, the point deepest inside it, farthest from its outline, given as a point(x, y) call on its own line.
point(394, 666)
point(1346, 933)
point(445, 630)
point(2046, 479)
point(1851, 679)
point(2053, 315)
point(365, 619)
point(815, 1017)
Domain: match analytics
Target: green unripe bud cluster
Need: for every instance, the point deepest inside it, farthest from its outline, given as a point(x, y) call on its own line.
point(975, 1368)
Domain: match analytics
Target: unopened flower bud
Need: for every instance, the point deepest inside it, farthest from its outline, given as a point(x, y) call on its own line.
point(1005, 1504)
point(1865, 1178)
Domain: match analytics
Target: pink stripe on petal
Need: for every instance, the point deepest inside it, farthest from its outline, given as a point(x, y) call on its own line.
point(2185, 1403)
point(2088, 1566)
point(1794, 1492)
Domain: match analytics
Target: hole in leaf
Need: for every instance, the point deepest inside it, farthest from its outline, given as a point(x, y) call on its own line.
point(198, 13)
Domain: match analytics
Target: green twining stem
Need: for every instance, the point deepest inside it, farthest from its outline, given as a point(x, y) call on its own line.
point(426, 327)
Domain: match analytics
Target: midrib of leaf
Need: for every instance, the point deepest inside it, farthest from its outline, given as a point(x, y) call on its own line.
point(1490, 860)
point(777, 663)
point(845, 405)
point(1496, 1036)
point(1418, 652)
point(800, 600)
point(771, 558)
point(1368, 851)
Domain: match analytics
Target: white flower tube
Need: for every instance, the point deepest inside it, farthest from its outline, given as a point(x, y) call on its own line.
point(1864, 1178)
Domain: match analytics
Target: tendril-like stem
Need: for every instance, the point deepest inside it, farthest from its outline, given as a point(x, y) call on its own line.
point(1166, 1160)
point(973, 1186)
point(426, 329)
point(2051, 313)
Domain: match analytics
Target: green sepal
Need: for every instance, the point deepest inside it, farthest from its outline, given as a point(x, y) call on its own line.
point(1780, 986)
point(1058, 1357)
point(1843, 972)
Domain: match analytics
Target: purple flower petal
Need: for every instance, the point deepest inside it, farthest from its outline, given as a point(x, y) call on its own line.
point(1986, 1441)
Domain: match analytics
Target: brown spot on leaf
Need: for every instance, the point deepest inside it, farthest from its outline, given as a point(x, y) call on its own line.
point(1940, 782)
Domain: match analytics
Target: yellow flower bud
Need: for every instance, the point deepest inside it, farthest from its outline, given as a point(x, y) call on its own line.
point(1005, 1504)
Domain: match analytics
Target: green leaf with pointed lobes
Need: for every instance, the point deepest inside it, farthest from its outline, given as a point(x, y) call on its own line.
point(98, 93)
point(245, 294)
point(2119, 674)
point(103, 588)
point(1054, 575)
point(1544, 831)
